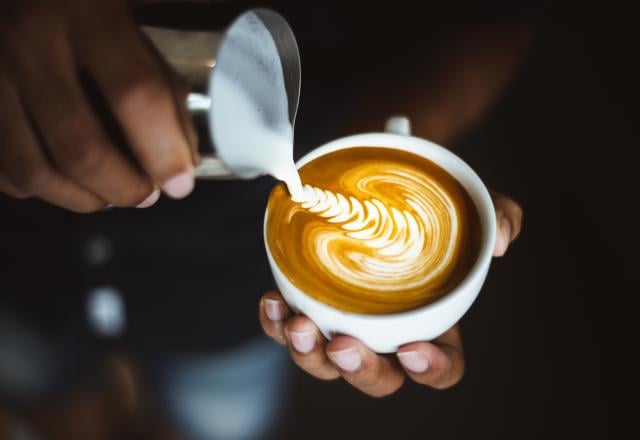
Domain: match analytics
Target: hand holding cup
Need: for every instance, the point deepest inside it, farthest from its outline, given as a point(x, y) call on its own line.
point(437, 364)
point(372, 340)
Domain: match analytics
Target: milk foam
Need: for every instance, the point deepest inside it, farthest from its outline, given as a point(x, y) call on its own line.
point(404, 246)
point(379, 231)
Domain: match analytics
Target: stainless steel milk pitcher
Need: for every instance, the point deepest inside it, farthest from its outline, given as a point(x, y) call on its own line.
point(257, 41)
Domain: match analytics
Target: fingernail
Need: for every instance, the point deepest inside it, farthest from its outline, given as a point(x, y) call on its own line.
point(303, 342)
point(414, 361)
point(150, 200)
point(348, 359)
point(179, 186)
point(274, 309)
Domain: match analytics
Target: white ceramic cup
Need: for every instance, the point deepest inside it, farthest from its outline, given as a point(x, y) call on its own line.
point(385, 333)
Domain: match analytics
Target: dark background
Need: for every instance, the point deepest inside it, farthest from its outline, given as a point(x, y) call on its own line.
point(544, 350)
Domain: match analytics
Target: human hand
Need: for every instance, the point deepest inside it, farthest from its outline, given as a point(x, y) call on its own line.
point(438, 364)
point(52, 144)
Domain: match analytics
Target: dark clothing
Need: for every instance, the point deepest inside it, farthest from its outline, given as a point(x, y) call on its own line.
point(185, 269)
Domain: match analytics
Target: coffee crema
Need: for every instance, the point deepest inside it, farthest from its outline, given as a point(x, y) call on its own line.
point(380, 231)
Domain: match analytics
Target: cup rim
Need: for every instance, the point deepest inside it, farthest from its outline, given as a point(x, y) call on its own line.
point(400, 142)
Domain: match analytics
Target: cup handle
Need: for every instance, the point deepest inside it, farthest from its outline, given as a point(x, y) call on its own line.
point(398, 125)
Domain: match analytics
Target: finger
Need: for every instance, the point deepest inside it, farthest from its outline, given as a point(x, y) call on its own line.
point(74, 139)
point(513, 212)
point(273, 312)
point(24, 166)
point(141, 100)
point(307, 348)
point(8, 188)
point(181, 93)
point(438, 364)
point(508, 223)
point(373, 374)
point(180, 88)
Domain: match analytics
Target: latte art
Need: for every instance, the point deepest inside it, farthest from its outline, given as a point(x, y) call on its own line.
point(379, 231)
point(405, 247)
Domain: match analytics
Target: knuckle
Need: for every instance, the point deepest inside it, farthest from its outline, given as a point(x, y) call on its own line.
point(88, 207)
point(366, 378)
point(81, 161)
point(9, 187)
point(367, 382)
point(66, 126)
point(16, 194)
point(449, 380)
point(35, 179)
point(90, 164)
point(136, 85)
point(518, 210)
point(273, 330)
point(511, 204)
point(307, 363)
point(298, 323)
point(384, 389)
point(314, 365)
point(132, 194)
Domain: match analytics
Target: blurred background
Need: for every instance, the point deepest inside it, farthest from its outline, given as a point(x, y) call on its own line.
point(109, 322)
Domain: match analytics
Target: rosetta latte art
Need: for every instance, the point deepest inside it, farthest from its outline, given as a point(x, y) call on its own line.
point(404, 247)
point(379, 231)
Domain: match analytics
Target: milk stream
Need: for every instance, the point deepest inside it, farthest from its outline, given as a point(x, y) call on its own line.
point(291, 178)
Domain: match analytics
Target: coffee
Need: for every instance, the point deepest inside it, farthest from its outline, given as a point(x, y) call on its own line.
point(380, 231)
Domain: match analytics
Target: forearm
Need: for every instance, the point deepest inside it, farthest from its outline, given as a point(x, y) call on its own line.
point(450, 88)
